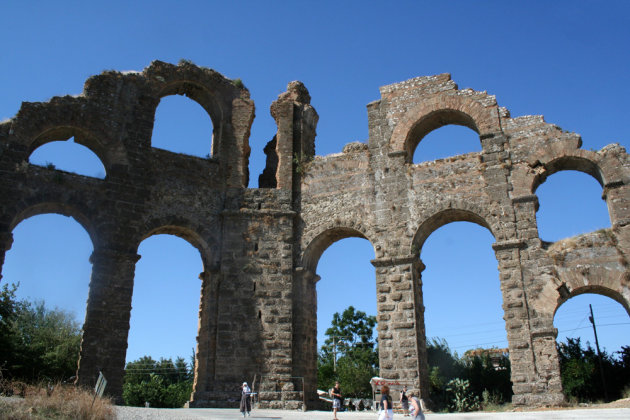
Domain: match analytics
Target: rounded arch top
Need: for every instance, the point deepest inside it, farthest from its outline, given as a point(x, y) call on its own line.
point(594, 289)
point(438, 111)
point(51, 207)
point(208, 250)
point(214, 92)
point(316, 247)
point(110, 153)
point(444, 216)
point(604, 168)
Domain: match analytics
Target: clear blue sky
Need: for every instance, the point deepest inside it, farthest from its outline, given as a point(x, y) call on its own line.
point(566, 60)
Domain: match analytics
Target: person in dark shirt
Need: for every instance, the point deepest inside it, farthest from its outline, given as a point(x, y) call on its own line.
point(387, 409)
point(337, 398)
point(404, 401)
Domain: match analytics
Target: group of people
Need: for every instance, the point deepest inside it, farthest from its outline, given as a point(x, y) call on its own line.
point(411, 405)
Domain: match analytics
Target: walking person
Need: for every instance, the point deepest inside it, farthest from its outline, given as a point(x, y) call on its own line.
point(387, 409)
point(416, 407)
point(246, 405)
point(404, 401)
point(335, 393)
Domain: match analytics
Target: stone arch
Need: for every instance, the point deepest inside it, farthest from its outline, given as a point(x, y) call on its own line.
point(304, 349)
point(325, 237)
point(38, 207)
point(206, 341)
point(202, 96)
point(112, 154)
point(603, 167)
point(451, 212)
point(585, 161)
point(187, 231)
point(226, 102)
point(598, 289)
point(438, 112)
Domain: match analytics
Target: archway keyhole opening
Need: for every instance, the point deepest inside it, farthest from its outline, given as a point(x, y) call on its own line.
point(166, 300)
point(49, 262)
point(463, 309)
point(69, 156)
point(443, 141)
point(579, 320)
point(346, 313)
point(182, 125)
point(570, 204)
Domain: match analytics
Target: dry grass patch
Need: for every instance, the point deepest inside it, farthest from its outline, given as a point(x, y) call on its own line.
point(61, 403)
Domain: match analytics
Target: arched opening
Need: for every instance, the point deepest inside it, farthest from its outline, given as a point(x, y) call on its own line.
point(446, 141)
point(335, 322)
point(346, 317)
point(49, 259)
point(570, 204)
point(182, 126)
point(68, 156)
point(164, 316)
point(586, 377)
point(167, 276)
point(463, 312)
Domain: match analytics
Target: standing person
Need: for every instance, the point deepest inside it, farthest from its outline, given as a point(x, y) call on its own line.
point(404, 401)
point(387, 409)
point(416, 407)
point(246, 405)
point(337, 398)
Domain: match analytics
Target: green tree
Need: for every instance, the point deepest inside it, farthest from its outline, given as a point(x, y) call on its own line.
point(9, 309)
point(476, 375)
point(38, 343)
point(349, 354)
point(444, 366)
point(581, 371)
point(160, 383)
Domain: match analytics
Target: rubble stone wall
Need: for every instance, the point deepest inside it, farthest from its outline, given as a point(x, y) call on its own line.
point(260, 247)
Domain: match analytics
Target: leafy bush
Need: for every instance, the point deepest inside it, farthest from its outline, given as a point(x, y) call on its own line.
point(36, 343)
point(160, 383)
point(482, 373)
point(461, 396)
point(581, 372)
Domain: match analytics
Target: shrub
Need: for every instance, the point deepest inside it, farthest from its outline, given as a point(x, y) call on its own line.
point(461, 397)
point(57, 403)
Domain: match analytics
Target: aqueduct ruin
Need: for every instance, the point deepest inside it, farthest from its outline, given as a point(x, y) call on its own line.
point(267, 241)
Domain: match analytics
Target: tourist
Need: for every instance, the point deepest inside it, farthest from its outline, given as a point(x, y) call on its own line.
point(246, 405)
point(335, 393)
point(416, 407)
point(387, 409)
point(404, 401)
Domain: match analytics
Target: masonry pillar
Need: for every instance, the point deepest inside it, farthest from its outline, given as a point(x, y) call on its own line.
point(6, 240)
point(531, 341)
point(205, 356)
point(401, 334)
point(617, 196)
point(106, 327)
point(305, 332)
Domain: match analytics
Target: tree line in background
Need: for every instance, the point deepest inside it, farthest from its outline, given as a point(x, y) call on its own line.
point(478, 379)
point(39, 344)
point(36, 343)
point(587, 377)
point(162, 383)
